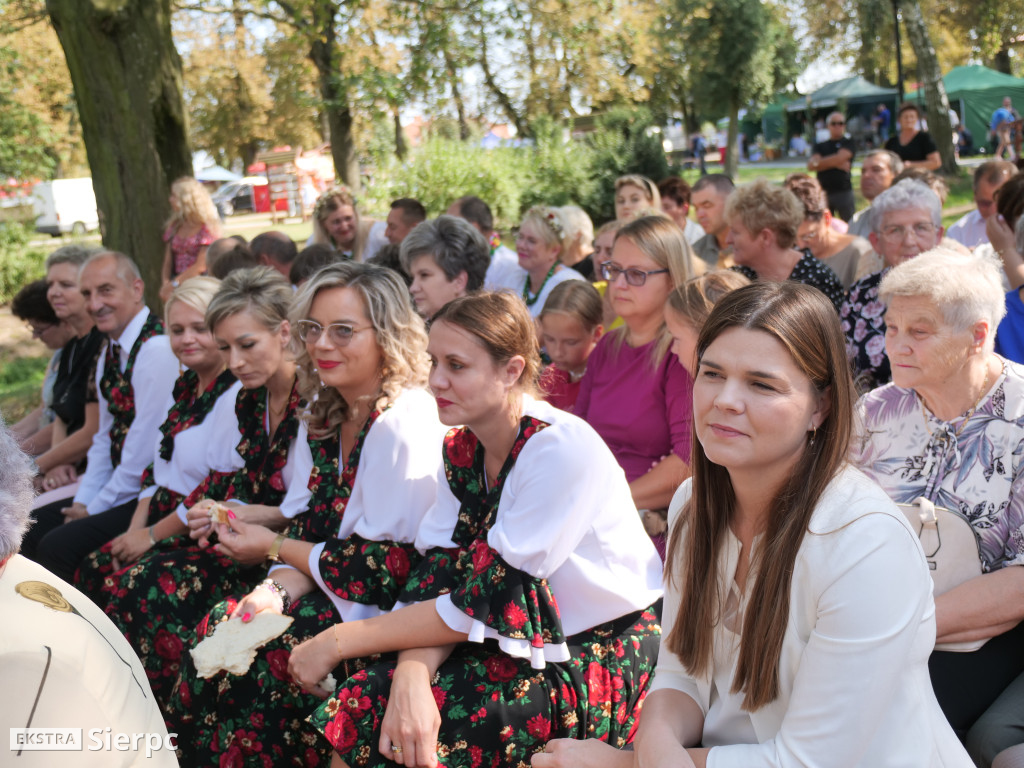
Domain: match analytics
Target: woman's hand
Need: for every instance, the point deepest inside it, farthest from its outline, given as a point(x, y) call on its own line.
point(581, 753)
point(257, 601)
point(999, 234)
point(58, 477)
point(130, 546)
point(311, 661)
point(245, 543)
point(408, 733)
point(166, 289)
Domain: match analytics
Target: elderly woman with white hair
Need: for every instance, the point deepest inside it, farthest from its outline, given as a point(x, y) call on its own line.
point(949, 430)
point(906, 220)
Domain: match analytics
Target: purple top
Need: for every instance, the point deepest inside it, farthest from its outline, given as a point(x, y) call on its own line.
point(642, 414)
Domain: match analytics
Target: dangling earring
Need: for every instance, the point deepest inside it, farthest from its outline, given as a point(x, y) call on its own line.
point(814, 434)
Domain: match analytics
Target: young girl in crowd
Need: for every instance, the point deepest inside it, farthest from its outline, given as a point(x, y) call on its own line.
point(368, 456)
point(688, 307)
point(532, 602)
point(635, 196)
point(193, 225)
point(249, 459)
point(570, 326)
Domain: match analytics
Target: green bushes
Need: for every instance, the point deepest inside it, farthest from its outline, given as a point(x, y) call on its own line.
point(19, 264)
point(549, 169)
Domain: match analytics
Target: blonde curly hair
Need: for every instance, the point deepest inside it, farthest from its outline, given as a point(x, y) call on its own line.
point(195, 206)
point(400, 332)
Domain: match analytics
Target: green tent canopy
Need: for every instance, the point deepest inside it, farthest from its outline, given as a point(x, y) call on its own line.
point(975, 92)
point(850, 90)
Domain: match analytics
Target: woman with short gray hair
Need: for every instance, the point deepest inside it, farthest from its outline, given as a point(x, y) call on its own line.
point(949, 429)
point(446, 258)
point(906, 220)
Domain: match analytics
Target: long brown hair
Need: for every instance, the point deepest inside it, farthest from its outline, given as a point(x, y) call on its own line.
point(803, 320)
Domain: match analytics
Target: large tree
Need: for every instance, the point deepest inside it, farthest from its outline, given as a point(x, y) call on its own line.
point(127, 78)
point(741, 51)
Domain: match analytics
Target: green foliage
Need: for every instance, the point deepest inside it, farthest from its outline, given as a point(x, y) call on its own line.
point(24, 136)
point(20, 381)
point(19, 264)
point(559, 171)
point(621, 144)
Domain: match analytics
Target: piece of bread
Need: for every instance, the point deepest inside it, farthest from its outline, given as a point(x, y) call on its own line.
point(232, 646)
point(219, 513)
point(329, 683)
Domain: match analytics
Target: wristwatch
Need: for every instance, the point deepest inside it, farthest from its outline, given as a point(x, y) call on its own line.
point(274, 554)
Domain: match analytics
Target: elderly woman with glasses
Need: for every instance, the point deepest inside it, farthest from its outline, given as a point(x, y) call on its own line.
point(906, 220)
point(370, 448)
point(634, 393)
point(949, 429)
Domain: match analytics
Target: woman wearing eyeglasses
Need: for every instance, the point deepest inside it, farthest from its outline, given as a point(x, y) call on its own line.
point(370, 446)
point(906, 220)
point(540, 240)
point(634, 393)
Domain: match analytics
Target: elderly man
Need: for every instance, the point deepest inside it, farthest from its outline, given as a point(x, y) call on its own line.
point(969, 230)
point(833, 159)
point(708, 197)
point(134, 379)
point(65, 666)
point(504, 261)
point(906, 220)
point(877, 172)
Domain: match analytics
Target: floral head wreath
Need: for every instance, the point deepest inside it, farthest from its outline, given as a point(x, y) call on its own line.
point(321, 202)
point(550, 217)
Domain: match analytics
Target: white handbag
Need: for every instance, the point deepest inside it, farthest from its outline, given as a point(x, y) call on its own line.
point(952, 550)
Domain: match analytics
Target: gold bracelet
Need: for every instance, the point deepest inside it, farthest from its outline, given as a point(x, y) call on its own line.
point(275, 549)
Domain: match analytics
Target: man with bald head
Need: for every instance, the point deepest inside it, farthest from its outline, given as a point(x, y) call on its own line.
point(275, 250)
point(833, 159)
point(969, 230)
point(134, 378)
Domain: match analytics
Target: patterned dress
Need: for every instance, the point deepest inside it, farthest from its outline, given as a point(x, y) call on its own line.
point(810, 271)
point(979, 472)
point(528, 673)
point(862, 317)
point(158, 600)
point(257, 719)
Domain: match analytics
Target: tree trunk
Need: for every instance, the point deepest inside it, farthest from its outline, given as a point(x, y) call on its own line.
point(453, 80)
point(731, 155)
point(1001, 62)
point(934, 89)
point(401, 148)
point(327, 60)
point(127, 79)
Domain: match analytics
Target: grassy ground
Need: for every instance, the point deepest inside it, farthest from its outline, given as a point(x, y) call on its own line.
point(22, 365)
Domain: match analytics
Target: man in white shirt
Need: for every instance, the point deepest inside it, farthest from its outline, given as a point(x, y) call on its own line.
point(134, 380)
point(504, 269)
point(969, 230)
point(879, 168)
point(66, 668)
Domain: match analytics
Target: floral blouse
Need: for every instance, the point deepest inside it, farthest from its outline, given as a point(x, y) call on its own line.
point(862, 317)
point(185, 250)
point(980, 472)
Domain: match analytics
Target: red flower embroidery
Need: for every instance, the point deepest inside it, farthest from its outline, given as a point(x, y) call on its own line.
point(398, 564)
point(515, 616)
point(353, 700)
point(539, 727)
point(439, 696)
point(167, 583)
point(278, 661)
point(501, 668)
point(167, 645)
point(460, 449)
point(341, 732)
point(599, 684)
point(483, 556)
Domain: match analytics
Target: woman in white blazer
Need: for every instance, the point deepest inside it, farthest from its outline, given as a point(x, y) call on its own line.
point(798, 613)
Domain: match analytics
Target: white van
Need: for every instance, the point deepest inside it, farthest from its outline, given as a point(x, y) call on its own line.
point(65, 205)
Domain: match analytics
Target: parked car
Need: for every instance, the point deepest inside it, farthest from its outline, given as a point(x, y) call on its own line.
point(239, 196)
point(65, 205)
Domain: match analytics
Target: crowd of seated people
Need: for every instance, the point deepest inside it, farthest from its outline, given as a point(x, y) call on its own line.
point(653, 494)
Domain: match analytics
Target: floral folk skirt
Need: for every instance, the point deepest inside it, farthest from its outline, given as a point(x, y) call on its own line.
point(497, 710)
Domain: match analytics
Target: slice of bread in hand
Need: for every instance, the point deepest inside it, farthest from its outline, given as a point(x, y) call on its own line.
point(219, 513)
point(232, 646)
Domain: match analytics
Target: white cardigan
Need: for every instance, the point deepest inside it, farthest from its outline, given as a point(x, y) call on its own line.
point(854, 688)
